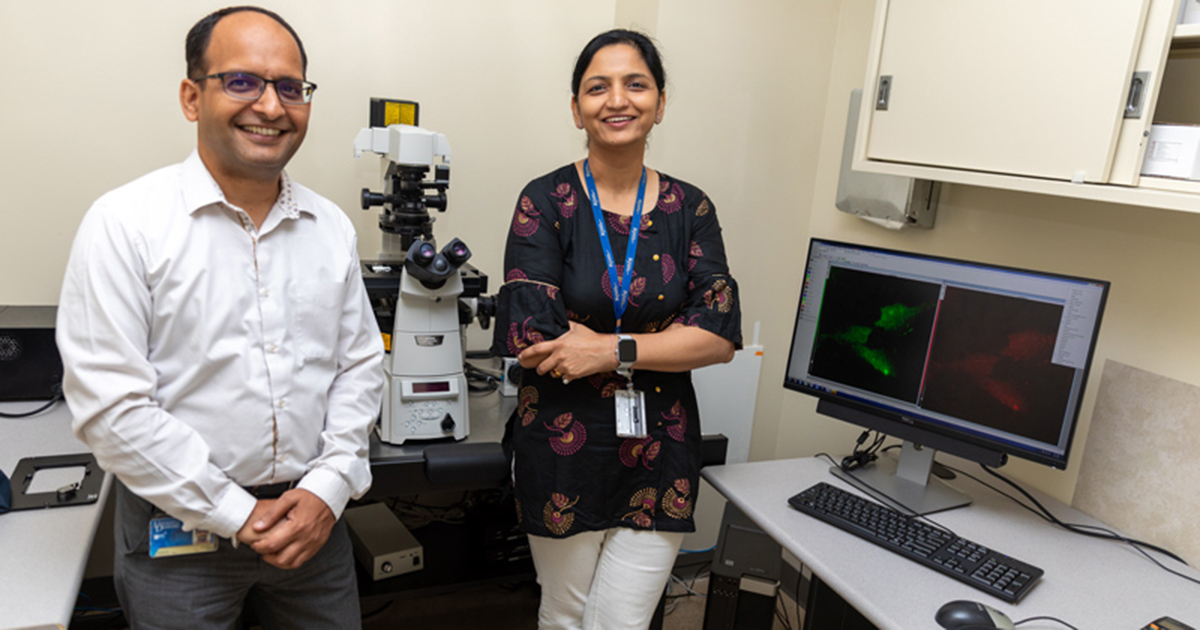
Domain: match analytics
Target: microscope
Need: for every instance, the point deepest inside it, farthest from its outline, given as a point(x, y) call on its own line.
point(415, 288)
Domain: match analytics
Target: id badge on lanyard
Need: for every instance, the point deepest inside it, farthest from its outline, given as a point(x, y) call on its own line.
point(630, 402)
point(631, 412)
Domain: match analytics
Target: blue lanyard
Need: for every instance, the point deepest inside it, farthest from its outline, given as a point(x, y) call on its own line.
point(621, 287)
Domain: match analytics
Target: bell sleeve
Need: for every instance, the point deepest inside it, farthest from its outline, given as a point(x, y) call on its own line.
point(712, 302)
point(530, 308)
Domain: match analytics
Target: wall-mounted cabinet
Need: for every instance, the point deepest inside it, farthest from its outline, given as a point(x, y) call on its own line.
point(1049, 97)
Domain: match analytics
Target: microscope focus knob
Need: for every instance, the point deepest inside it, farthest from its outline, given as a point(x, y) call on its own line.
point(372, 199)
point(447, 424)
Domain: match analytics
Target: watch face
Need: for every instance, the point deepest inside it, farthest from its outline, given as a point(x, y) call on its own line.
point(626, 350)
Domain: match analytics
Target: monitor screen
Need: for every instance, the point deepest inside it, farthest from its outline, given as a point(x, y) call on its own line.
point(971, 353)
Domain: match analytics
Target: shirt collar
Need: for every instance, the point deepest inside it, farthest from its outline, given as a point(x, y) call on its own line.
point(200, 190)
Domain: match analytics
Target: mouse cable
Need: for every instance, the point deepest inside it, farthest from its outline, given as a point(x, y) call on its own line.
point(1097, 531)
point(1045, 618)
point(904, 510)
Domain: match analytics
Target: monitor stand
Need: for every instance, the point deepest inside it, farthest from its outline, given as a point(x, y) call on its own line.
point(907, 482)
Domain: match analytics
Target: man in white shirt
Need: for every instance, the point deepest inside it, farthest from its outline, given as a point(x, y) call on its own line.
point(222, 359)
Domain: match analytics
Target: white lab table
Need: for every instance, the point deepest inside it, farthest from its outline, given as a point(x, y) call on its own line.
point(42, 552)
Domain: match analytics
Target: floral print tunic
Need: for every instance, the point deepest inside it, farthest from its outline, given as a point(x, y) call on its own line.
point(571, 471)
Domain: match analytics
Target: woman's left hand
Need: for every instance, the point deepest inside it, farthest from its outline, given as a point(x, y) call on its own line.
point(579, 352)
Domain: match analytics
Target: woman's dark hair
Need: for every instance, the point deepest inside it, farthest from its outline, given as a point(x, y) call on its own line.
point(620, 36)
point(196, 44)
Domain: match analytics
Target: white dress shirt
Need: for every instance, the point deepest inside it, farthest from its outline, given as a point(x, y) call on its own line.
point(203, 354)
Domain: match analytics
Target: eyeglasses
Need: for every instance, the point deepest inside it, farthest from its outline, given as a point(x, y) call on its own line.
point(250, 87)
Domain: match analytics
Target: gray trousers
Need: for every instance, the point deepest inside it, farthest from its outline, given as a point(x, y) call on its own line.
point(209, 590)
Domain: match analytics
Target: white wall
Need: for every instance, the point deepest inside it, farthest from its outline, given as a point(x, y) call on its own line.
point(90, 102)
point(746, 111)
point(756, 110)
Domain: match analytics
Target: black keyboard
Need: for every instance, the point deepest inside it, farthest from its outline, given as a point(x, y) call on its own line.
point(985, 569)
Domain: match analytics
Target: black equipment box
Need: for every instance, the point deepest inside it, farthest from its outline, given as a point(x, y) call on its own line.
point(30, 366)
point(745, 576)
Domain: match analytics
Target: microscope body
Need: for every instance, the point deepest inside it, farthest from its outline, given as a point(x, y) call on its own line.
point(425, 393)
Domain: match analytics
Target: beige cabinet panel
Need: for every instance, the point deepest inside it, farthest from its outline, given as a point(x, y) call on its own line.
point(1179, 99)
point(1021, 87)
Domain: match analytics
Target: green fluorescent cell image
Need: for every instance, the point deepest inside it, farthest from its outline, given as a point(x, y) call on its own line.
point(856, 337)
point(877, 358)
point(894, 318)
point(898, 317)
point(853, 335)
point(873, 331)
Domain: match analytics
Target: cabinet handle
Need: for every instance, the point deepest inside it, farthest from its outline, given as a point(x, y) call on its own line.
point(883, 92)
point(1137, 94)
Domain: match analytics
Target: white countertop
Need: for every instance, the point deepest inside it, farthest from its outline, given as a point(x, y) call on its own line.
point(1088, 583)
point(42, 552)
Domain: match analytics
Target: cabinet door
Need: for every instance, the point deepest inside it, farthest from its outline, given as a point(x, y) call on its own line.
point(1149, 69)
point(1025, 87)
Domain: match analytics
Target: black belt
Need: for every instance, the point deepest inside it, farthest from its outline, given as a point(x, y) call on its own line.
point(270, 490)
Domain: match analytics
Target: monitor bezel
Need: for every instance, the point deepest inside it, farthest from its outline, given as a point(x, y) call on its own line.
point(926, 432)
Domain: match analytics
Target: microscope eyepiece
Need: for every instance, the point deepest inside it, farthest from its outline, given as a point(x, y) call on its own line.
point(456, 252)
point(431, 268)
point(423, 253)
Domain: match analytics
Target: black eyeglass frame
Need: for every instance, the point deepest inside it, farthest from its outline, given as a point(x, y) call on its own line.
point(306, 87)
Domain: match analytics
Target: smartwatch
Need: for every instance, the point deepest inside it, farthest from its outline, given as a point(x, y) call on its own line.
point(626, 354)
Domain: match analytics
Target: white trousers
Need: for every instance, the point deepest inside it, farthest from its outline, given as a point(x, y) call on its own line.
point(606, 580)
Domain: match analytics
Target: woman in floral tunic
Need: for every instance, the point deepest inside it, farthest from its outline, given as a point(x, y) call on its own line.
point(606, 514)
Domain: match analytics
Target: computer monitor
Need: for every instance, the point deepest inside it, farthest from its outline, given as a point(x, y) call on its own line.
point(977, 360)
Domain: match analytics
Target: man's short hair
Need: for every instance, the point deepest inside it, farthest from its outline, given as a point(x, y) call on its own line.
point(198, 37)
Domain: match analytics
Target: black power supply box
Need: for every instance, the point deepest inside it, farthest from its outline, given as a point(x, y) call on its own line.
point(30, 366)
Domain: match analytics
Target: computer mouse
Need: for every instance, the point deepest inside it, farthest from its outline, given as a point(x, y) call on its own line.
point(966, 615)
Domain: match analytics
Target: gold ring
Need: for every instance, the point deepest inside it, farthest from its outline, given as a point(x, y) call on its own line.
point(555, 373)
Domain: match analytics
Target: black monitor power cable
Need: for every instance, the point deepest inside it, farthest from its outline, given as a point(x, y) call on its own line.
point(861, 456)
point(57, 396)
point(1092, 531)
